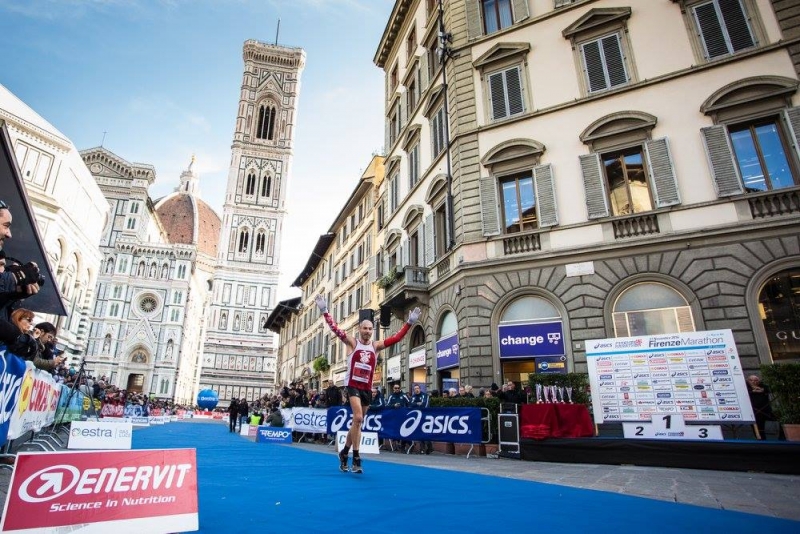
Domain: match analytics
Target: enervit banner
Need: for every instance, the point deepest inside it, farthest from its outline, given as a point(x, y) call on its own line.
point(455, 425)
point(38, 400)
point(142, 490)
point(308, 420)
point(271, 434)
point(100, 435)
point(12, 370)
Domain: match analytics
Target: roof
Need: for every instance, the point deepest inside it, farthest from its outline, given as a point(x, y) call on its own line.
point(189, 220)
point(391, 32)
point(280, 314)
point(320, 249)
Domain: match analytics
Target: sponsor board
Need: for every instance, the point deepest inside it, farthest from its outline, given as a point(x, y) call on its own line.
point(369, 442)
point(314, 420)
point(54, 492)
point(140, 421)
point(454, 425)
point(100, 435)
point(693, 368)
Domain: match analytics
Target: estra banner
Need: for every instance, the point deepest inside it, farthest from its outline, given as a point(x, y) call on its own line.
point(152, 491)
point(100, 435)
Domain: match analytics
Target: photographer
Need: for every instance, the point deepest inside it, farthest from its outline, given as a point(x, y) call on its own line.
point(17, 281)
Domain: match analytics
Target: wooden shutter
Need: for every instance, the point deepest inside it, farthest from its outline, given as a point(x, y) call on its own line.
point(387, 140)
point(724, 169)
point(546, 207)
point(736, 24)
point(402, 255)
point(422, 82)
point(497, 96)
point(373, 269)
point(430, 244)
point(594, 185)
point(662, 173)
point(474, 22)
point(490, 218)
point(593, 66)
point(516, 102)
point(615, 60)
point(521, 10)
point(791, 118)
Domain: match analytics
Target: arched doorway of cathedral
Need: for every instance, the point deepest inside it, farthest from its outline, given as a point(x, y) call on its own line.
point(135, 383)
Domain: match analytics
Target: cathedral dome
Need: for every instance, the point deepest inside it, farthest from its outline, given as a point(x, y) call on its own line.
point(189, 221)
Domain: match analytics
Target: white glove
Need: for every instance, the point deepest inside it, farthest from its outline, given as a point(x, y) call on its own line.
point(413, 317)
point(322, 304)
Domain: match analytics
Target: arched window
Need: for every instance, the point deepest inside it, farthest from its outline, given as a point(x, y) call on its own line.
point(778, 302)
point(266, 185)
point(266, 122)
point(530, 317)
point(107, 344)
point(651, 308)
point(140, 269)
point(110, 266)
point(164, 389)
point(244, 240)
point(261, 239)
point(250, 187)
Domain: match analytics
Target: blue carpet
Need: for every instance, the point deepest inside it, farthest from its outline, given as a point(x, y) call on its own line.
point(253, 487)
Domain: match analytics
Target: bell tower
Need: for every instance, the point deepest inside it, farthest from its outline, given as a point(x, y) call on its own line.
point(240, 353)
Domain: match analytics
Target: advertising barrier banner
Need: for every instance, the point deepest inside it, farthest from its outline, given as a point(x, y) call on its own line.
point(100, 435)
point(135, 410)
point(274, 434)
point(455, 425)
point(112, 410)
point(12, 370)
point(38, 401)
point(312, 420)
point(90, 409)
point(70, 405)
point(695, 374)
point(140, 490)
point(369, 442)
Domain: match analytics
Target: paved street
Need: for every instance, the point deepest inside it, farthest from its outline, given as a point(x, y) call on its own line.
point(756, 493)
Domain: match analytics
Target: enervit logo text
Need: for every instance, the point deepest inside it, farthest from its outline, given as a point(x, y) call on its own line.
point(54, 481)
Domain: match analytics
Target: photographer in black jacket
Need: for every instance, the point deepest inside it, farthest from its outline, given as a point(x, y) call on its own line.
point(17, 281)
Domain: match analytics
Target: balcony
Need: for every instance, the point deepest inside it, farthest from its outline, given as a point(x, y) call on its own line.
point(772, 203)
point(635, 226)
point(401, 287)
point(521, 243)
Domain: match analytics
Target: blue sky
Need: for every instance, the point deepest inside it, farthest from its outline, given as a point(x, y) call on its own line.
point(162, 78)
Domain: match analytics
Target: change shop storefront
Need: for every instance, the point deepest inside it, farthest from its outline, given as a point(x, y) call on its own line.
point(531, 340)
point(447, 353)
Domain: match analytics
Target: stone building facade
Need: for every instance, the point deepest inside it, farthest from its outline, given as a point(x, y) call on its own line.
point(600, 186)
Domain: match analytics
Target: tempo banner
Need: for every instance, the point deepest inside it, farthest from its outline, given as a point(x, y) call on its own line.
point(152, 491)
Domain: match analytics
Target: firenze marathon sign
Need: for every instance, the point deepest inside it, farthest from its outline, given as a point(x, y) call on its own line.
point(696, 374)
point(531, 340)
point(142, 490)
point(447, 352)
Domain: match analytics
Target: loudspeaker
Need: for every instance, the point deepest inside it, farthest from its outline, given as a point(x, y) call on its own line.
point(369, 315)
point(386, 316)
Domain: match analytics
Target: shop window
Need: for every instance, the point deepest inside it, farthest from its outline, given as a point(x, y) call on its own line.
point(779, 309)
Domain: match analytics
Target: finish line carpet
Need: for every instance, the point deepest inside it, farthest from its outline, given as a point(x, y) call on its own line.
point(268, 488)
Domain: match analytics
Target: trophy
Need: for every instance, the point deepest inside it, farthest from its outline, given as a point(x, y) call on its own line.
point(569, 394)
point(538, 394)
point(561, 395)
point(553, 397)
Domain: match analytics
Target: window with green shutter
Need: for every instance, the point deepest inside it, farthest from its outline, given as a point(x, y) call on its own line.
point(723, 27)
point(506, 93)
point(604, 63)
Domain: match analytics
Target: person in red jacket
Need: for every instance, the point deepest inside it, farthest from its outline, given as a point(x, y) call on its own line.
point(361, 363)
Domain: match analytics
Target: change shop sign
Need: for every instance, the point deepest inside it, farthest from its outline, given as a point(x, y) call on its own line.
point(152, 491)
point(447, 352)
point(531, 340)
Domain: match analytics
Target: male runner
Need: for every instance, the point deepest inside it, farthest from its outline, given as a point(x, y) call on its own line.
point(361, 363)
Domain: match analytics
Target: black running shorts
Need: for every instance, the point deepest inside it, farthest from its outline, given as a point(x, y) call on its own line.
point(365, 396)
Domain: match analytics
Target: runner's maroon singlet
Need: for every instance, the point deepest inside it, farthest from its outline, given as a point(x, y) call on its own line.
point(360, 367)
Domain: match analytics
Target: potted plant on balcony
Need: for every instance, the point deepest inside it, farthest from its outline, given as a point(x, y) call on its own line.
point(321, 364)
point(389, 278)
point(783, 381)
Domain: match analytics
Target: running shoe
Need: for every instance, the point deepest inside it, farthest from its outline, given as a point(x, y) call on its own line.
point(343, 462)
point(357, 466)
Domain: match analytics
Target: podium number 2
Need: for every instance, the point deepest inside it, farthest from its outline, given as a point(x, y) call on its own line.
point(639, 430)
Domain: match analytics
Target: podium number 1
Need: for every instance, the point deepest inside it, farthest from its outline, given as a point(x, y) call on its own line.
point(668, 419)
